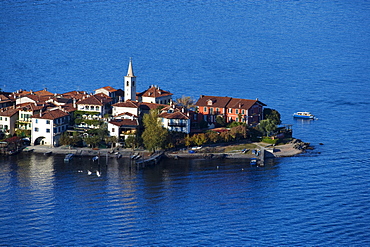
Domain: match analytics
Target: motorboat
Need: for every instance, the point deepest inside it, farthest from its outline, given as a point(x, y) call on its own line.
point(304, 115)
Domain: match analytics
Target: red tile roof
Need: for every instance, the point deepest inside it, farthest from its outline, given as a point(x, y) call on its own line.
point(9, 112)
point(51, 115)
point(154, 92)
point(173, 115)
point(126, 114)
point(29, 107)
point(43, 92)
point(242, 103)
point(96, 99)
point(226, 102)
point(127, 103)
point(124, 122)
point(213, 101)
point(108, 88)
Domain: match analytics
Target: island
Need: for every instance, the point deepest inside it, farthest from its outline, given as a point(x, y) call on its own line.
point(124, 122)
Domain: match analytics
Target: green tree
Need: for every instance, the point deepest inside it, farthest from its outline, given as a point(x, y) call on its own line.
point(65, 139)
point(154, 135)
point(226, 136)
point(92, 141)
point(132, 141)
point(188, 140)
point(199, 139)
point(75, 139)
point(272, 115)
point(110, 140)
point(267, 126)
point(213, 136)
point(239, 132)
point(220, 121)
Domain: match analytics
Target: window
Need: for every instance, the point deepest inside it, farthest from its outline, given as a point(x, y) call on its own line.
point(47, 121)
point(243, 111)
point(47, 130)
point(217, 110)
point(1, 118)
point(133, 83)
point(87, 107)
point(230, 110)
point(97, 108)
point(205, 109)
point(127, 83)
point(36, 121)
point(236, 111)
point(112, 129)
point(36, 129)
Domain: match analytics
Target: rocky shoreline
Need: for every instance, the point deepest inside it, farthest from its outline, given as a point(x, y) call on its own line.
point(293, 148)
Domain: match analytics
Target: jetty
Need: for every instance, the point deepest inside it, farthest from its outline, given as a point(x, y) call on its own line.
point(151, 160)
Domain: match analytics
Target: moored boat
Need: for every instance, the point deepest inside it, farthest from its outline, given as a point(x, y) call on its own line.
point(68, 157)
point(304, 115)
point(253, 161)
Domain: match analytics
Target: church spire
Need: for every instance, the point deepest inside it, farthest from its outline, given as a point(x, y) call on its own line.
point(130, 83)
point(130, 71)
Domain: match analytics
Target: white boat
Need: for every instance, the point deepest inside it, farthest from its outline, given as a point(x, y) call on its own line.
point(304, 115)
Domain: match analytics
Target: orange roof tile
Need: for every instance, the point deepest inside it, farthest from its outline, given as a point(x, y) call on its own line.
point(108, 88)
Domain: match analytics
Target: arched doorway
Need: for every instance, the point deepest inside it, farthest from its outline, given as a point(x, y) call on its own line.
point(39, 141)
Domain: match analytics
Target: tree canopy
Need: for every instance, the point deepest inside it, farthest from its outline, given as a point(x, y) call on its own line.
point(154, 135)
point(272, 115)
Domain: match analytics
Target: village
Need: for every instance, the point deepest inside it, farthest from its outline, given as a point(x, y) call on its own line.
point(43, 118)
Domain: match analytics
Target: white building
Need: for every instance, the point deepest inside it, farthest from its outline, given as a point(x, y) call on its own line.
point(127, 106)
point(174, 120)
point(48, 126)
point(98, 104)
point(123, 126)
point(156, 95)
point(8, 118)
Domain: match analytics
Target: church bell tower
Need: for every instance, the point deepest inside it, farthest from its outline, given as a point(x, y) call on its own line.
point(130, 83)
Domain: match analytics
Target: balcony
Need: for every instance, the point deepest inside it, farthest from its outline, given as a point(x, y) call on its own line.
point(177, 124)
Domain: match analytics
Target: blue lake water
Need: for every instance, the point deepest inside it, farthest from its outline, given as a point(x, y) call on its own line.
point(292, 55)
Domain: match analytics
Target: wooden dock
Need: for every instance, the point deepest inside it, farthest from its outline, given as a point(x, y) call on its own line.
point(153, 159)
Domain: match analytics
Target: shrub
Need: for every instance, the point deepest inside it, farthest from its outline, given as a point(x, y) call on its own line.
point(269, 140)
